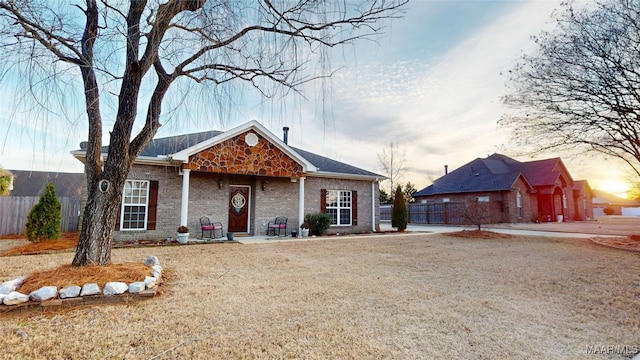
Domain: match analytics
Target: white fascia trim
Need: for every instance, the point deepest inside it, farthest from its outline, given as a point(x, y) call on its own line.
point(253, 124)
point(334, 175)
point(140, 160)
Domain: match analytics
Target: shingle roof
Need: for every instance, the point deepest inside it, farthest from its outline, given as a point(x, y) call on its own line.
point(173, 144)
point(325, 164)
point(33, 183)
point(495, 173)
point(480, 175)
point(603, 198)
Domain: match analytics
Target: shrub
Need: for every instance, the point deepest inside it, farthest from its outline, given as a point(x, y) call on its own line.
point(608, 211)
point(399, 216)
point(43, 221)
point(318, 223)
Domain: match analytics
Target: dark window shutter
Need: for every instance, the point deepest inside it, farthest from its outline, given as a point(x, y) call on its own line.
point(323, 200)
point(153, 205)
point(354, 208)
point(117, 227)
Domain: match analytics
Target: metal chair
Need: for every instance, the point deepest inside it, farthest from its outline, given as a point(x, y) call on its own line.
point(277, 227)
point(212, 228)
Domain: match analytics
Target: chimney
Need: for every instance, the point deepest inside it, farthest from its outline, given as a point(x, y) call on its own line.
point(286, 134)
point(446, 169)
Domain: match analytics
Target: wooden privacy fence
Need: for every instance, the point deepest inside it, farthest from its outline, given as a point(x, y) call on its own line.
point(428, 213)
point(15, 209)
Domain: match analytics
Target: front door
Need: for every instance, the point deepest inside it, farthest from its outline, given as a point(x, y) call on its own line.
point(238, 208)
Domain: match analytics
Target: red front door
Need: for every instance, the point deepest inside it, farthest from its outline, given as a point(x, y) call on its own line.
point(239, 209)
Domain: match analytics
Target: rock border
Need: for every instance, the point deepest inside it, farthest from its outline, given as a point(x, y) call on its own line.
point(49, 298)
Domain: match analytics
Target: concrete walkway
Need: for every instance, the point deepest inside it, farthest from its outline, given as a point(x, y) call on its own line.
point(418, 229)
point(445, 228)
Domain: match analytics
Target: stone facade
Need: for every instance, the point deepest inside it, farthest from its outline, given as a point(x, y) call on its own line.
point(237, 156)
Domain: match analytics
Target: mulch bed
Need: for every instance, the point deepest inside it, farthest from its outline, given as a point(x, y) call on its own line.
point(478, 234)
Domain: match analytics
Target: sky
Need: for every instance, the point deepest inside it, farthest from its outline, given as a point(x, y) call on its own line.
point(432, 85)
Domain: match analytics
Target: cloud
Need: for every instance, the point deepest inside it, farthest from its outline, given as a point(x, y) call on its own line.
point(441, 109)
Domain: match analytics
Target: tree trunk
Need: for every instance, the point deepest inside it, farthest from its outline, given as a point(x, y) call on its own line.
point(98, 223)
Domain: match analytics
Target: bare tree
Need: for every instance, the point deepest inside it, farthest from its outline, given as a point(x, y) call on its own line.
point(580, 90)
point(393, 164)
point(137, 45)
point(634, 191)
point(474, 212)
point(408, 190)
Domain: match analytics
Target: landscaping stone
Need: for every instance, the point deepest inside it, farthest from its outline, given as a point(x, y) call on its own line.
point(136, 287)
point(150, 281)
point(152, 261)
point(70, 292)
point(11, 285)
point(44, 293)
point(90, 289)
point(115, 288)
point(157, 271)
point(49, 296)
point(7, 288)
point(15, 298)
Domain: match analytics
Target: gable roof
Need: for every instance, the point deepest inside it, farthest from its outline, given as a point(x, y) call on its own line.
point(33, 183)
point(177, 149)
point(479, 175)
point(603, 198)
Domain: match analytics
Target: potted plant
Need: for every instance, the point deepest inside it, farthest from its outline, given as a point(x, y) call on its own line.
point(304, 229)
point(183, 234)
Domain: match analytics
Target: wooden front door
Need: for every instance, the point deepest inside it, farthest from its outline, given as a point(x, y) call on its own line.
point(238, 209)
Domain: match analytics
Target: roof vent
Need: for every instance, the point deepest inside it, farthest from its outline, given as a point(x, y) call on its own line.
point(84, 145)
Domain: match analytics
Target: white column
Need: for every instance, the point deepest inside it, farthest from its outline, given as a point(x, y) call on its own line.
point(184, 209)
point(301, 202)
point(373, 205)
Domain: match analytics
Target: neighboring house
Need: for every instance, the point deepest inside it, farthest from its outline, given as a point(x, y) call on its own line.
point(33, 183)
point(619, 205)
point(26, 189)
point(517, 191)
point(243, 178)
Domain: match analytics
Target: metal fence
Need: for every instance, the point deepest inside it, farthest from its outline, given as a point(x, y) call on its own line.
point(428, 213)
point(15, 209)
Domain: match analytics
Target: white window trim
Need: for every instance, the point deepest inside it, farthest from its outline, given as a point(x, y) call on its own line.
point(519, 209)
point(146, 207)
point(338, 208)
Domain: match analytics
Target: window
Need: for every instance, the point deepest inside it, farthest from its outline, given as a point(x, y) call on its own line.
point(483, 199)
point(338, 205)
point(519, 204)
point(135, 205)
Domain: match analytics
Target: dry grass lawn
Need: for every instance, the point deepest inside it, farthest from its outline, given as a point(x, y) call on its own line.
point(398, 297)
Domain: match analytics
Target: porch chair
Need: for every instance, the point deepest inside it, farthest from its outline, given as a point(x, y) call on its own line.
point(277, 227)
point(212, 228)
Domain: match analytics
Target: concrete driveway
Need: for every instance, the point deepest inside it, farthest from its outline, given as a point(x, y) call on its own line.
point(579, 229)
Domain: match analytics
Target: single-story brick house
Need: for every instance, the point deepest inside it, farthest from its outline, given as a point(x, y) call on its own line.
point(541, 190)
point(244, 178)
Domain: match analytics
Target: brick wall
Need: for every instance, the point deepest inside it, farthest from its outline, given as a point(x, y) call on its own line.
point(209, 196)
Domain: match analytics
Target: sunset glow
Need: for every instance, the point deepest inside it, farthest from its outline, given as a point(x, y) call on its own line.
point(614, 187)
